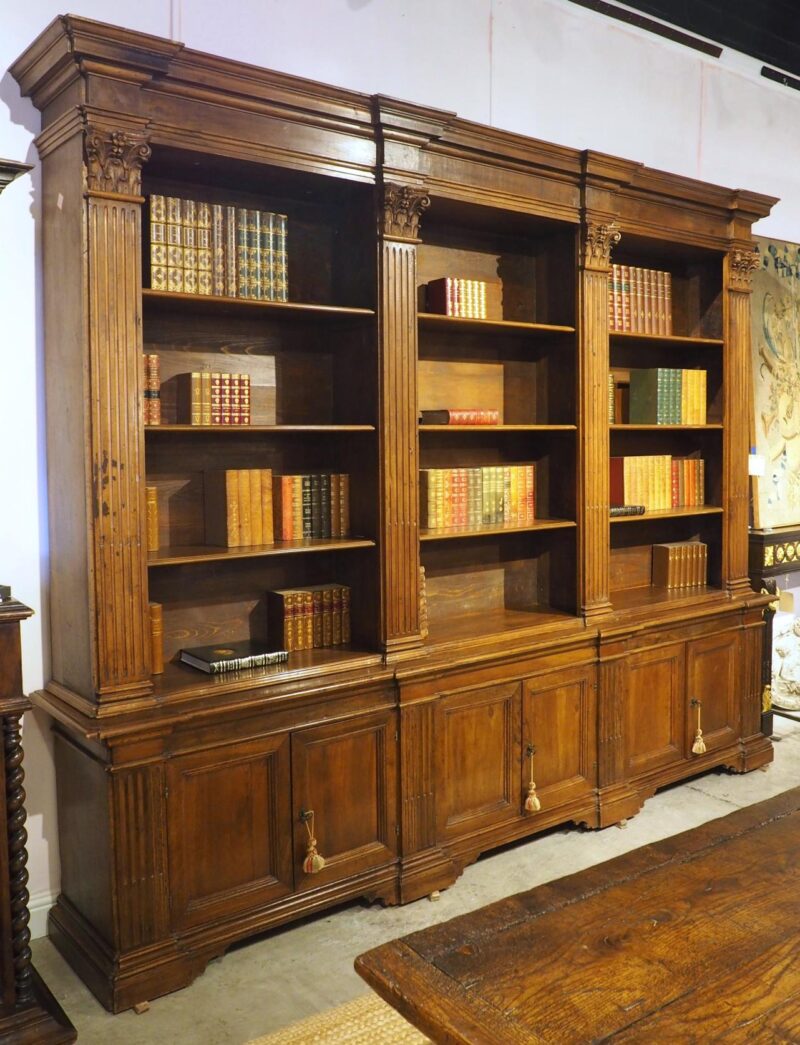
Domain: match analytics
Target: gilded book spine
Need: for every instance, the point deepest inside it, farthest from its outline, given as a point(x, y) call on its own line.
point(158, 243)
point(281, 258)
point(152, 389)
point(205, 250)
point(217, 250)
point(267, 256)
point(189, 233)
point(157, 637)
point(174, 245)
point(152, 518)
point(230, 234)
point(254, 253)
point(242, 254)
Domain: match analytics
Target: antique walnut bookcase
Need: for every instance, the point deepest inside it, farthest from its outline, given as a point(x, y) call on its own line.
point(182, 797)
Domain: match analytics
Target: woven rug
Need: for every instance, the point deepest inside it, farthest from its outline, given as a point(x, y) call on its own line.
point(366, 1021)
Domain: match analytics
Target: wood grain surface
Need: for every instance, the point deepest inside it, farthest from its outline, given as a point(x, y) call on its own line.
point(690, 939)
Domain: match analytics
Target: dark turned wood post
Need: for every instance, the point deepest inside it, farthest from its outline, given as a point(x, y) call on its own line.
point(28, 1012)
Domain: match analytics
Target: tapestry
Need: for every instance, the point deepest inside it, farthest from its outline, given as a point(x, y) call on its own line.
point(776, 383)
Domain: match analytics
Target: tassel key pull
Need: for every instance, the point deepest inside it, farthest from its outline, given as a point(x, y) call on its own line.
point(313, 862)
point(699, 745)
point(532, 802)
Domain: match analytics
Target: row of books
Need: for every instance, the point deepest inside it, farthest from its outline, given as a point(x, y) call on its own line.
point(213, 398)
point(499, 495)
point(452, 296)
point(238, 507)
point(681, 564)
point(315, 617)
point(216, 249)
point(249, 506)
point(667, 396)
point(459, 417)
point(315, 505)
point(152, 389)
point(639, 300)
point(657, 481)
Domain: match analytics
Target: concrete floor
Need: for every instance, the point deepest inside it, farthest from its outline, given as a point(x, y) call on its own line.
point(261, 986)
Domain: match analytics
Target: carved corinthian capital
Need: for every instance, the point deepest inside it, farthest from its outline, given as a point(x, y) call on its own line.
point(598, 242)
point(742, 265)
point(402, 208)
point(114, 160)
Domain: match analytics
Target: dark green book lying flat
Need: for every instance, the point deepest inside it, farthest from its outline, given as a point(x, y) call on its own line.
point(232, 656)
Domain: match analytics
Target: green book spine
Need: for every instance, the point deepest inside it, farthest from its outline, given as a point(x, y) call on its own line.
point(254, 253)
point(645, 397)
point(231, 286)
point(267, 256)
point(281, 258)
point(217, 250)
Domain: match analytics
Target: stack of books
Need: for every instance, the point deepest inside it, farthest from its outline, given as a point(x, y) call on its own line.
point(459, 417)
point(314, 617)
point(657, 481)
point(639, 300)
point(682, 564)
point(451, 296)
point(217, 249)
point(213, 398)
point(232, 656)
point(152, 389)
point(313, 505)
point(667, 396)
point(238, 507)
point(495, 495)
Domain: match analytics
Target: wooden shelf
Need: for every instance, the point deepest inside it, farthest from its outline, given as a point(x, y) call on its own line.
point(493, 624)
point(181, 682)
point(650, 596)
point(665, 428)
point(276, 429)
point(433, 321)
point(165, 299)
point(204, 553)
point(485, 531)
point(671, 513)
point(666, 339)
point(498, 428)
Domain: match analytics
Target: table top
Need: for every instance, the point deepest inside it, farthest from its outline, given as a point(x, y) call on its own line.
point(684, 940)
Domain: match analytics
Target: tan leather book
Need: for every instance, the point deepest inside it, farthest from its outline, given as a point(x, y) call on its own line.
point(267, 518)
point(189, 235)
point(245, 519)
point(221, 500)
point(256, 514)
point(157, 637)
point(152, 518)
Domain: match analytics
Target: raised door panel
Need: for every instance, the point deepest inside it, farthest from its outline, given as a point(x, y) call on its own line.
point(477, 757)
point(712, 679)
point(346, 773)
point(229, 829)
point(559, 719)
point(655, 709)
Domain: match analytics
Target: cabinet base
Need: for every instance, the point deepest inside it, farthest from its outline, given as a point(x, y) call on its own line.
point(42, 1022)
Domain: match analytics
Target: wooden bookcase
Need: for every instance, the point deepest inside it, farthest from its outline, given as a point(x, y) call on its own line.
point(184, 799)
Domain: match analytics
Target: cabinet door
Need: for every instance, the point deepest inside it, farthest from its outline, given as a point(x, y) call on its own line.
point(477, 759)
point(655, 709)
point(229, 823)
point(559, 719)
point(712, 677)
point(346, 772)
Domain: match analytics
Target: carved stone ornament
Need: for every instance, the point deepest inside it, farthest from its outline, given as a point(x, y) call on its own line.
point(114, 161)
point(598, 242)
point(402, 208)
point(743, 264)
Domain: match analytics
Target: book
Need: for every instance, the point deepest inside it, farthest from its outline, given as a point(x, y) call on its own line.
point(459, 417)
point(151, 493)
point(221, 503)
point(205, 261)
point(232, 656)
point(158, 242)
point(174, 231)
point(152, 389)
point(280, 257)
point(156, 638)
point(188, 211)
point(617, 510)
point(189, 398)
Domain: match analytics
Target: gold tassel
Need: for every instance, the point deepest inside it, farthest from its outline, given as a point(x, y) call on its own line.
point(699, 745)
point(532, 803)
point(313, 862)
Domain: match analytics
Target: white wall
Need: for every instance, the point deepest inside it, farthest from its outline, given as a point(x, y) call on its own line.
point(545, 68)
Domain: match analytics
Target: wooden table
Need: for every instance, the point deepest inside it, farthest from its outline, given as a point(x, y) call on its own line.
point(692, 939)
